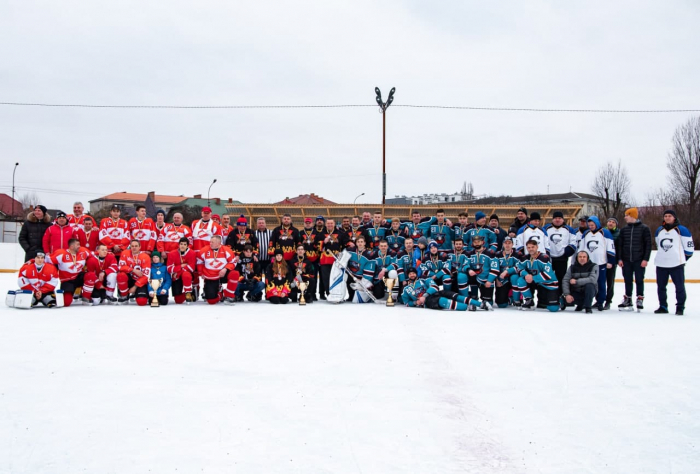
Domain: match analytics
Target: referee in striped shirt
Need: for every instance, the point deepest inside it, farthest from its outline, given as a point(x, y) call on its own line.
point(263, 234)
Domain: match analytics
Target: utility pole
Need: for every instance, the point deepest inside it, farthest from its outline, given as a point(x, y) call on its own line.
point(383, 106)
point(13, 191)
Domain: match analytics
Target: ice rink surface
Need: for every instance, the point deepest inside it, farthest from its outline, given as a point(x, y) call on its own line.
point(348, 389)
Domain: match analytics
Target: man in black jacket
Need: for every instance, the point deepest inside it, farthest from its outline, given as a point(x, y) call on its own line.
point(520, 220)
point(32, 233)
point(634, 251)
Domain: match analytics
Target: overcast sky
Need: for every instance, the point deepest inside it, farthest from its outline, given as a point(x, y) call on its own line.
point(594, 54)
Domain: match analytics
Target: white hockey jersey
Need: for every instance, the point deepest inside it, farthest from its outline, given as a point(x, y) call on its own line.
point(675, 246)
point(600, 245)
point(559, 239)
point(528, 232)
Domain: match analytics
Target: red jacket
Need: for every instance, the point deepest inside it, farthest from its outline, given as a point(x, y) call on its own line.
point(89, 240)
point(44, 280)
point(56, 238)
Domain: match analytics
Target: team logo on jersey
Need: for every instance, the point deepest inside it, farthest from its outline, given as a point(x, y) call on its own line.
point(353, 266)
point(440, 238)
point(536, 238)
point(217, 264)
point(417, 234)
point(666, 244)
point(592, 246)
point(556, 238)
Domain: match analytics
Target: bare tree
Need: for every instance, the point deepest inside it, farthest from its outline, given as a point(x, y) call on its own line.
point(29, 200)
point(612, 188)
point(684, 166)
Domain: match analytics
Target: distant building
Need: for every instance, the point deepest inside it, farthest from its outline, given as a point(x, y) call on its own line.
point(217, 205)
point(428, 199)
point(305, 200)
point(10, 208)
point(129, 200)
point(590, 205)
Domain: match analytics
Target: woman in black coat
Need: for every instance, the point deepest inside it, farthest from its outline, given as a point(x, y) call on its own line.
point(33, 231)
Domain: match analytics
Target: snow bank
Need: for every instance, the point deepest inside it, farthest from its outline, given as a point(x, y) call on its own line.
point(11, 256)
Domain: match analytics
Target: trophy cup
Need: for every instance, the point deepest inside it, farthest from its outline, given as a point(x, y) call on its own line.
point(302, 289)
point(390, 282)
point(155, 284)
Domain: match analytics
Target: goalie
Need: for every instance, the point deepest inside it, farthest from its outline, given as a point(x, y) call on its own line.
point(37, 280)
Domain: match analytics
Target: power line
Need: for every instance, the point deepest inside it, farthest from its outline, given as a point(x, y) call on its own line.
point(336, 106)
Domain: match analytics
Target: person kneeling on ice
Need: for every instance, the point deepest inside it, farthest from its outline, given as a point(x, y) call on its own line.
point(159, 272)
point(536, 271)
point(360, 269)
point(182, 264)
point(250, 278)
point(134, 271)
point(508, 259)
point(41, 279)
point(482, 268)
point(100, 276)
point(385, 266)
point(216, 264)
point(424, 293)
point(71, 264)
point(580, 283)
point(278, 279)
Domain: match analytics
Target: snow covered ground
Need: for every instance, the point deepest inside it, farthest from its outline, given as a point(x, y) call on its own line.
point(344, 389)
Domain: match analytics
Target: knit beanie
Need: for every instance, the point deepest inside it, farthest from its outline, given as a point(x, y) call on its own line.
point(632, 212)
point(242, 220)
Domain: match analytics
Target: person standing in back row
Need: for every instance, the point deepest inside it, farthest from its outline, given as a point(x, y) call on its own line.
point(675, 246)
point(633, 256)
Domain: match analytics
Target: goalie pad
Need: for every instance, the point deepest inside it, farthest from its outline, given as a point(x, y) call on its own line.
point(59, 298)
point(23, 299)
point(336, 282)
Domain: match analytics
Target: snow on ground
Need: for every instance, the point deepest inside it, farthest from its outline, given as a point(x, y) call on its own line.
point(344, 389)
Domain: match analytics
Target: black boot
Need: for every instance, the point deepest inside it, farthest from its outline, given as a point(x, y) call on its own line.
point(661, 310)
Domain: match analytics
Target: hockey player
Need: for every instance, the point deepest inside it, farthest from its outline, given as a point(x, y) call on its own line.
point(480, 228)
point(182, 265)
point(440, 231)
point(57, 236)
point(384, 266)
point(462, 227)
point(303, 270)
point(284, 237)
point(100, 277)
point(377, 231)
point(172, 234)
point(159, 229)
point(361, 270)
point(610, 273)
point(76, 219)
point(332, 244)
point(114, 232)
point(312, 240)
point(421, 253)
point(133, 276)
point(418, 226)
point(675, 247)
point(159, 272)
point(507, 280)
point(216, 265)
point(451, 275)
point(424, 293)
point(366, 219)
point(482, 269)
point(250, 276)
point(242, 236)
point(520, 221)
point(432, 265)
point(532, 231)
point(203, 229)
point(87, 234)
point(226, 227)
point(278, 279)
point(582, 228)
point(356, 230)
point(599, 244)
point(536, 271)
point(143, 229)
point(404, 260)
point(562, 245)
point(633, 256)
point(396, 237)
point(41, 279)
point(495, 225)
point(71, 269)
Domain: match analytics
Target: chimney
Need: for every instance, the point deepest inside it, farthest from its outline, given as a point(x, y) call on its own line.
point(230, 200)
point(197, 196)
point(218, 202)
point(152, 195)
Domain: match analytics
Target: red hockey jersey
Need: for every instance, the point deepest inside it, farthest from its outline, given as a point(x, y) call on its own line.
point(35, 279)
point(202, 232)
point(169, 238)
point(76, 222)
point(211, 262)
point(145, 232)
point(178, 262)
point(69, 265)
point(89, 240)
point(128, 263)
point(114, 233)
point(108, 265)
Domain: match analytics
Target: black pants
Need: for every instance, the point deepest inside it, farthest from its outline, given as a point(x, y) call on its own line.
point(162, 299)
point(379, 289)
point(502, 293)
point(212, 287)
point(475, 287)
point(634, 270)
point(325, 279)
point(318, 281)
point(677, 274)
point(71, 285)
point(583, 296)
point(278, 300)
point(263, 265)
point(610, 282)
point(309, 293)
point(560, 265)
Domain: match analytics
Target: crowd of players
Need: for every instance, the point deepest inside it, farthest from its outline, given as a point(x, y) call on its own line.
point(435, 262)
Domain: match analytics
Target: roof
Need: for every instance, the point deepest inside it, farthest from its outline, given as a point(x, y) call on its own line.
point(305, 200)
point(124, 196)
point(535, 198)
point(6, 206)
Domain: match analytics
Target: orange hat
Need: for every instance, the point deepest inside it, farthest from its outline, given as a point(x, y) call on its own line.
point(632, 212)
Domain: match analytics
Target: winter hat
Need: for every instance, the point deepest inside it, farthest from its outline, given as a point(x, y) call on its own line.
point(672, 212)
point(216, 217)
point(242, 221)
point(60, 214)
point(43, 208)
point(156, 253)
point(160, 211)
point(206, 209)
point(508, 238)
point(422, 240)
point(595, 220)
point(535, 216)
point(613, 219)
point(320, 218)
point(632, 212)
point(279, 252)
point(583, 219)
point(412, 270)
point(523, 210)
point(479, 215)
point(432, 244)
point(494, 216)
point(557, 214)
point(308, 219)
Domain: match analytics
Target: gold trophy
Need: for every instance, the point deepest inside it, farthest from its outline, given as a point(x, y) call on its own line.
point(389, 282)
point(302, 289)
point(155, 284)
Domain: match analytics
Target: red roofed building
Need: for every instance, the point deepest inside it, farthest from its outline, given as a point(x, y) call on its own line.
point(305, 200)
point(126, 200)
point(6, 207)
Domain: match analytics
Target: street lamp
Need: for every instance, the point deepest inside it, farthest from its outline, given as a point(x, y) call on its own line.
point(353, 203)
point(13, 190)
point(208, 190)
point(383, 106)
